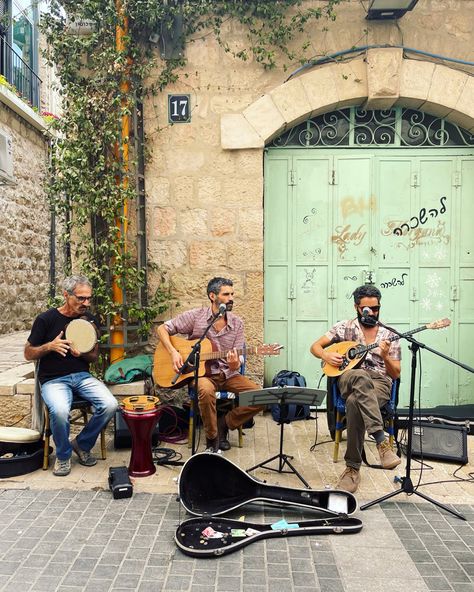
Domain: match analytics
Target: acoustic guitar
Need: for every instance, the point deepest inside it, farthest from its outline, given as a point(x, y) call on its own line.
point(353, 353)
point(164, 373)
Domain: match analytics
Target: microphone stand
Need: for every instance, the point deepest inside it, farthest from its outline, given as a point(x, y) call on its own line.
point(406, 482)
point(192, 362)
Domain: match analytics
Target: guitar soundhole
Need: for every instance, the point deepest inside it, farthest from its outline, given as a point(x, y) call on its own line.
point(352, 353)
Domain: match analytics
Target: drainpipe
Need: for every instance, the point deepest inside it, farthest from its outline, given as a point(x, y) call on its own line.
point(121, 152)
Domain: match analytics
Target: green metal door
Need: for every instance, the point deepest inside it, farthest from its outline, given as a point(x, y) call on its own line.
point(401, 219)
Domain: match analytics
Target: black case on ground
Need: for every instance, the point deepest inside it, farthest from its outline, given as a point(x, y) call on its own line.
point(119, 482)
point(210, 485)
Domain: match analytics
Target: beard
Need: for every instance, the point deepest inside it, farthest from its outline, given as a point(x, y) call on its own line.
point(368, 321)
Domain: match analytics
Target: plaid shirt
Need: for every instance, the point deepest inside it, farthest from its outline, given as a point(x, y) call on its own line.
point(193, 323)
point(351, 331)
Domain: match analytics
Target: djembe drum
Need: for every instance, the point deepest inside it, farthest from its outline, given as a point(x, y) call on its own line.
point(141, 415)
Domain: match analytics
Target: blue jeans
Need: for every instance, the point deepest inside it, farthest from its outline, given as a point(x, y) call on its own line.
point(58, 395)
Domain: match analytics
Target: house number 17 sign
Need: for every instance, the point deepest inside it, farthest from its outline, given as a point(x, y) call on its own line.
point(179, 108)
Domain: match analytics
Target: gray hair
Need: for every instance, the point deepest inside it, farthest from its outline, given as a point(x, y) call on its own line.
point(70, 283)
point(216, 284)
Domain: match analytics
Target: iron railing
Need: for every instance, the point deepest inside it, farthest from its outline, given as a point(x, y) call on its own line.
point(19, 74)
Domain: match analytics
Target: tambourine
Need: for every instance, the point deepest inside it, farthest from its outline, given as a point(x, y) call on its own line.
point(82, 335)
point(140, 403)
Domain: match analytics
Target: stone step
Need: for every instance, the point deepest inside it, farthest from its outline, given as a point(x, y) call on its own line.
point(27, 387)
point(11, 377)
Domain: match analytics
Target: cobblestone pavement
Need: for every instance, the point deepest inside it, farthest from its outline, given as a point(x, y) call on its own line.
point(73, 541)
point(68, 534)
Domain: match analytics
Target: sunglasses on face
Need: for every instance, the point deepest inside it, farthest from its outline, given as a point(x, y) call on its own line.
point(372, 308)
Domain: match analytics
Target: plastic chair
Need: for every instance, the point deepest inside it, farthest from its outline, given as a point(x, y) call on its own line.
point(224, 400)
point(337, 414)
point(83, 408)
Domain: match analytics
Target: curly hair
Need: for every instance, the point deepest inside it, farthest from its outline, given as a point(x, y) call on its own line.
point(366, 291)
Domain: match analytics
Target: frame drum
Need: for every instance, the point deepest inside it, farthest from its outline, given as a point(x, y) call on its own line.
point(82, 334)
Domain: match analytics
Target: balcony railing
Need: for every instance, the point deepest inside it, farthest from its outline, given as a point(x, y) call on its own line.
point(19, 74)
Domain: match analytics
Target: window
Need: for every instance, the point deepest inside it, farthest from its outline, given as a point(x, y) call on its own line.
point(19, 47)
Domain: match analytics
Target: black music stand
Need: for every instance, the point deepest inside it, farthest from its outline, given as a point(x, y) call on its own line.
point(281, 395)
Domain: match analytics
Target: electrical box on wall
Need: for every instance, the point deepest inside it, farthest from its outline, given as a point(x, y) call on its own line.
point(6, 159)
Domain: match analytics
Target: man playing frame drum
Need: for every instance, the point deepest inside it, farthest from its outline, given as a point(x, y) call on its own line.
point(63, 372)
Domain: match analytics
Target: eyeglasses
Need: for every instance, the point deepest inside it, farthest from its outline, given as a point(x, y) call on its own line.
point(372, 308)
point(81, 299)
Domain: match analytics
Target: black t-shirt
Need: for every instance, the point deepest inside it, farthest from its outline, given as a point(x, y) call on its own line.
point(46, 327)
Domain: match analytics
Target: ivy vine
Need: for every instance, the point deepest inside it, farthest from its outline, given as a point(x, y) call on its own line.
point(100, 83)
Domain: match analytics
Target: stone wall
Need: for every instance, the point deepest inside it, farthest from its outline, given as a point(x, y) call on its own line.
point(205, 203)
point(24, 226)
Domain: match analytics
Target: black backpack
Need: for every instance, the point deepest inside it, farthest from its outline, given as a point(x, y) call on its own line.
point(290, 411)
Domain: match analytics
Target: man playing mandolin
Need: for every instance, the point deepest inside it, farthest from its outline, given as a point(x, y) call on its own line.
point(63, 372)
point(367, 388)
point(226, 334)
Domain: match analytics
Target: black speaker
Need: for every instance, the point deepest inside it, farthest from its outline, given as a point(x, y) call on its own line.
point(119, 482)
point(122, 435)
point(440, 442)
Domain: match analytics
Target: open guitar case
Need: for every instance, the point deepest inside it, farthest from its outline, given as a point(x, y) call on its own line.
point(211, 485)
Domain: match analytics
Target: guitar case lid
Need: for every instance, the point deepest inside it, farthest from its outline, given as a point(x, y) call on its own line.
point(210, 485)
point(214, 537)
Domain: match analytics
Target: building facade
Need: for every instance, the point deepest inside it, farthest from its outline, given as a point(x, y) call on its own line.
point(25, 217)
point(272, 183)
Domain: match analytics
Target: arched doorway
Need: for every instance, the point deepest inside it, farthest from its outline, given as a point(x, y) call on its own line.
point(355, 196)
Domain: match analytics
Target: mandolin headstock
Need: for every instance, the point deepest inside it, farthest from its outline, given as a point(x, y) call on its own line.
point(441, 324)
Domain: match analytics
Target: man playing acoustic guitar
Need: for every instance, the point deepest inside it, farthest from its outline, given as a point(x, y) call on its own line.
point(226, 334)
point(367, 388)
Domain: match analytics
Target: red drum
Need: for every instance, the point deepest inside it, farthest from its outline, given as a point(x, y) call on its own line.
point(141, 415)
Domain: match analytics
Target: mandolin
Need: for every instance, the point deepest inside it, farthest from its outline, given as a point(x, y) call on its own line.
point(164, 373)
point(353, 353)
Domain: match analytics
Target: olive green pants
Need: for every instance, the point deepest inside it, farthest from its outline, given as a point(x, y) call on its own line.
point(365, 392)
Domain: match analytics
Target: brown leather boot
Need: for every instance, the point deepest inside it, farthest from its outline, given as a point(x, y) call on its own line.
point(349, 480)
point(388, 458)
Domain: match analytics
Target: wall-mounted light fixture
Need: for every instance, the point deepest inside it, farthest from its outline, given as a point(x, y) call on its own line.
point(389, 9)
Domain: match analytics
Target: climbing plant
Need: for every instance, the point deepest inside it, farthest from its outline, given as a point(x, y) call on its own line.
point(100, 82)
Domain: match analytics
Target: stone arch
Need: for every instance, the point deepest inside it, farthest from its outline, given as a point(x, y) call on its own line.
point(380, 80)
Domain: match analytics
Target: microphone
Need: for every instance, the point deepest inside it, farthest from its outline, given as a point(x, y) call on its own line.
point(222, 309)
point(367, 319)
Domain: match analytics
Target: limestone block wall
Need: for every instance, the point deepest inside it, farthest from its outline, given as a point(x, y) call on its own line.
point(206, 197)
point(24, 226)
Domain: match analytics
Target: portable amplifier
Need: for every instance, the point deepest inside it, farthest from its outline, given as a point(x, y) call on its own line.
point(440, 442)
point(119, 482)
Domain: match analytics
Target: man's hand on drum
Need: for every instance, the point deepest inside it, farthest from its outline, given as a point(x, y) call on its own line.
point(60, 346)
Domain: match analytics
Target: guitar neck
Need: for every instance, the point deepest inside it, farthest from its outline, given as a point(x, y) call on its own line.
point(367, 348)
point(216, 355)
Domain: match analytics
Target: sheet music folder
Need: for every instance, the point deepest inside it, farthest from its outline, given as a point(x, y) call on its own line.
point(282, 395)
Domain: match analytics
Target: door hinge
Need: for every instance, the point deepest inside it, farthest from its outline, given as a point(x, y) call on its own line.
point(457, 179)
point(332, 293)
point(415, 180)
point(454, 293)
point(333, 178)
point(291, 293)
point(291, 178)
point(414, 295)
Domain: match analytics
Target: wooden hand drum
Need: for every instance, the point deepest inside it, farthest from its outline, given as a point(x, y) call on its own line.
point(141, 415)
